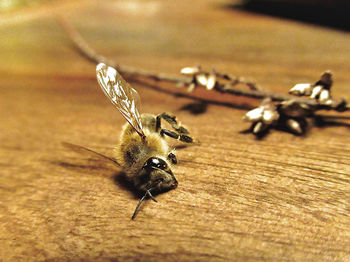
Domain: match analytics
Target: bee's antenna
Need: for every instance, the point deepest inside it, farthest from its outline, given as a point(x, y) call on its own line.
point(148, 193)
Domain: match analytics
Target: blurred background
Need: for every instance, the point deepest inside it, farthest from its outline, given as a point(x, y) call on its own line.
point(323, 12)
point(148, 28)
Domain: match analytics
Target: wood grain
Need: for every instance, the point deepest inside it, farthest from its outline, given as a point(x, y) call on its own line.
point(282, 198)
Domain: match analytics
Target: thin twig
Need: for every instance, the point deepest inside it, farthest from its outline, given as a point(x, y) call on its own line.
point(327, 117)
point(261, 94)
point(83, 47)
point(230, 88)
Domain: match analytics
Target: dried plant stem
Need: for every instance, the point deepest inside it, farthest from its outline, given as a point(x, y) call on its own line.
point(230, 88)
point(338, 105)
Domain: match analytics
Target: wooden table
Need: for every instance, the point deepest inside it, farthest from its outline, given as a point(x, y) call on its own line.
point(282, 198)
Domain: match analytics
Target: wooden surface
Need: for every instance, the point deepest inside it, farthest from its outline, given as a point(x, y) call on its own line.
point(282, 198)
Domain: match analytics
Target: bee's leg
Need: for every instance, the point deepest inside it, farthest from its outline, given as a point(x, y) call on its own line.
point(172, 157)
point(172, 121)
point(172, 134)
point(167, 132)
point(181, 132)
point(148, 193)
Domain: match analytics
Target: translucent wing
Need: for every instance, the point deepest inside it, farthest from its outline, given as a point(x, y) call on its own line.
point(87, 151)
point(121, 94)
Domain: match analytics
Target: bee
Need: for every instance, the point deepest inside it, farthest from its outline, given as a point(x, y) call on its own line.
point(143, 152)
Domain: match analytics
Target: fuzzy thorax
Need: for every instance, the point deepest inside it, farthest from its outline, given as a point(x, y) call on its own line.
point(132, 152)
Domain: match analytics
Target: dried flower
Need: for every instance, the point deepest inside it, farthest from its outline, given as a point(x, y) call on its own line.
point(200, 77)
point(287, 113)
point(301, 90)
point(316, 92)
point(254, 114)
point(211, 81)
point(191, 87)
point(320, 91)
point(190, 70)
point(322, 95)
point(325, 97)
point(262, 117)
point(295, 126)
point(259, 127)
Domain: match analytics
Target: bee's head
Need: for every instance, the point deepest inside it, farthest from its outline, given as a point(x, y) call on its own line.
point(156, 174)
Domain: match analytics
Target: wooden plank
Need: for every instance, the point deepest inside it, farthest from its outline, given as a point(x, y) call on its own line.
point(283, 198)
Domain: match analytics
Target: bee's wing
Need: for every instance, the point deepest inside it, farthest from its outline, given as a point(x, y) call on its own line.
point(121, 94)
point(87, 151)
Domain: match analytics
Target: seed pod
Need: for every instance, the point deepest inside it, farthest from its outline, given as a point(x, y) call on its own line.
point(269, 116)
point(191, 87)
point(316, 92)
point(190, 70)
point(259, 127)
point(301, 89)
point(201, 79)
point(211, 81)
point(254, 114)
point(324, 96)
point(294, 126)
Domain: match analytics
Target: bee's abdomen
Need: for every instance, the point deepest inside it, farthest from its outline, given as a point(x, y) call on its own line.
point(133, 154)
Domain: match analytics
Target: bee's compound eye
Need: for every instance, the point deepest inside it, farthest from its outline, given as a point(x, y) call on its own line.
point(155, 162)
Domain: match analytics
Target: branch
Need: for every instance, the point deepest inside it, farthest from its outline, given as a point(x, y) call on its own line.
point(276, 110)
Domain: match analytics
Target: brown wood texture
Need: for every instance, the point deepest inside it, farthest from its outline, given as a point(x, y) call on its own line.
point(282, 198)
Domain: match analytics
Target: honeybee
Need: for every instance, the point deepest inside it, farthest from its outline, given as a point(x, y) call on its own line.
point(143, 153)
